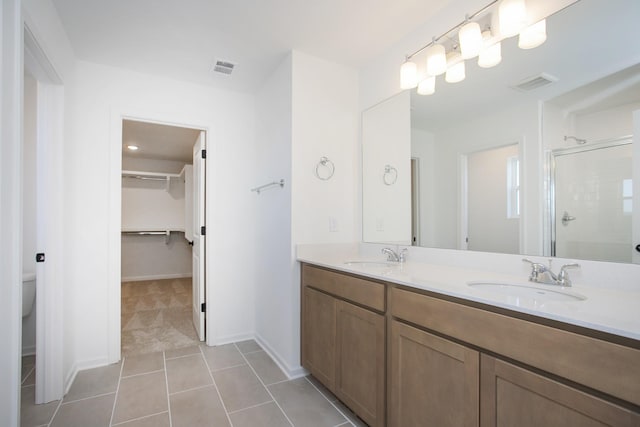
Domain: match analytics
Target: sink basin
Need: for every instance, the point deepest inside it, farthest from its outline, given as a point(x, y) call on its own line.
point(371, 263)
point(537, 295)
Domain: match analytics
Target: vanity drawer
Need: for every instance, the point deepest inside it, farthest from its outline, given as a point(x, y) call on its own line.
point(361, 291)
point(602, 365)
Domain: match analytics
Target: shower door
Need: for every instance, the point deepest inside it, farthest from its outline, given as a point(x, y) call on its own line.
point(593, 202)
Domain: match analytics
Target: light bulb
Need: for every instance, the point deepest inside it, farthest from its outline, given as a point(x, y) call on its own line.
point(491, 53)
point(470, 40)
point(455, 70)
point(133, 147)
point(533, 36)
point(427, 86)
point(436, 60)
point(408, 75)
point(513, 17)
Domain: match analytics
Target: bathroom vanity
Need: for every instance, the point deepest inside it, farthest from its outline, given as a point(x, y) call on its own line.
point(399, 353)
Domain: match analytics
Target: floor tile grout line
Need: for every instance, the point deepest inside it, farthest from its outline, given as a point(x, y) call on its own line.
point(265, 387)
point(226, 368)
point(166, 382)
point(181, 356)
point(22, 384)
point(142, 373)
point(330, 402)
point(115, 399)
point(251, 407)
point(55, 413)
point(251, 352)
point(139, 418)
point(86, 398)
point(200, 387)
point(224, 407)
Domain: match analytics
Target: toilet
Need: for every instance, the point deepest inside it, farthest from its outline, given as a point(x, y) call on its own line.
point(28, 292)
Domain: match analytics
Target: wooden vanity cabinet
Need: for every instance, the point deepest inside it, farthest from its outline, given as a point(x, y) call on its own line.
point(434, 381)
point(319, 332)
point(451, 363)
point(514, 396)
point(343, 339)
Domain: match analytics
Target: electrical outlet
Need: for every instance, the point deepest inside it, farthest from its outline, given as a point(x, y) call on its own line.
point(333, 224)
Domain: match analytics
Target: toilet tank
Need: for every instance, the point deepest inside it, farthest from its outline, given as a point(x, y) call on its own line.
point(28, 293)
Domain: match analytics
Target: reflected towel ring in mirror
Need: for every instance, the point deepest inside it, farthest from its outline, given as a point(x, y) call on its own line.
point(390, 175)
point(326, 171)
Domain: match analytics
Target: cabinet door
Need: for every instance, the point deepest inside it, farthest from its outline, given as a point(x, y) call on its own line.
point(434, 381)
point(361, 362)
point(319, 336)
point(513, 396)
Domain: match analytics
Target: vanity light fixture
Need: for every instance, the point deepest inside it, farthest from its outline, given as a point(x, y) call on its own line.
point(436, 59)
point(408, 75)
point(427, 86)
point(132, 147)
point(491, 53)
point(512, 20)
point(533, 36)
point(512, 15)
point(470, 39)
point(455, 70)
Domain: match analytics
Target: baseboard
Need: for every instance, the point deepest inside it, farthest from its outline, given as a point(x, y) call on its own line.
point(231, 339)
point(291, 372)
point(155, 277)
point(81, 366)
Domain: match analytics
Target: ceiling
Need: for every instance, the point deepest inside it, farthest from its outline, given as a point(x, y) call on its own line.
point(182, 39)
point(159, 142)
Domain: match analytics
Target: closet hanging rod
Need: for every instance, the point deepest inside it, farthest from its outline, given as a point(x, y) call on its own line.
point(145, 178)
point(269, 185)
point(166, 234)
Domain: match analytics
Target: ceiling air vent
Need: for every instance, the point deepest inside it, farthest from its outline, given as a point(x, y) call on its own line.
point(224, 67)
point(535, 82)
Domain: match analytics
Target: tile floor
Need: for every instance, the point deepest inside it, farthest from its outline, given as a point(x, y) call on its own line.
point(231, 385)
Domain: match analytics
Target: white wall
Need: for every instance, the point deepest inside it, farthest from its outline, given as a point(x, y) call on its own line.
point(325, 123)
point(104, 93)
point(307, 109)
point(271, 244)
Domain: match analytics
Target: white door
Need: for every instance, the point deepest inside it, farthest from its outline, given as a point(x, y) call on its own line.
point(198, 250)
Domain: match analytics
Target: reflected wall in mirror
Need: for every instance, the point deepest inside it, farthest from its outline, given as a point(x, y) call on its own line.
point(483, 146)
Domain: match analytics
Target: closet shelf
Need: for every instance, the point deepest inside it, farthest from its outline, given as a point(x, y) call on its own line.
point(152, 232)
point(151, 176)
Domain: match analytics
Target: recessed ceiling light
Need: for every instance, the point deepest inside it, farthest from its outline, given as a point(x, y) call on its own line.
point(133, 147)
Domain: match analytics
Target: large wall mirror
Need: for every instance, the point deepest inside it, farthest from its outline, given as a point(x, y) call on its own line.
point(534, 156)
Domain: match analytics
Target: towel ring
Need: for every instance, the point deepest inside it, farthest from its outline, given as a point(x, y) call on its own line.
point(328, 166)
point(390, 175)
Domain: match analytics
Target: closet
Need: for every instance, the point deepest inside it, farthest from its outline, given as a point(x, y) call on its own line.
point(157, 239)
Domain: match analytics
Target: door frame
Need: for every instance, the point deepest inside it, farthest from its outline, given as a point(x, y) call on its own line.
point(463, 192)
point(49, 219)
point(551, 199)
point(179, 119)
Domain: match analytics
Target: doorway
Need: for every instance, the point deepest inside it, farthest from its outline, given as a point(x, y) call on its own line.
point(162, 237)
point(491, 200)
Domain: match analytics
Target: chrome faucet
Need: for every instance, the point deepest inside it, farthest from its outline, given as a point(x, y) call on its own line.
point(393, 256)
point(540, 273)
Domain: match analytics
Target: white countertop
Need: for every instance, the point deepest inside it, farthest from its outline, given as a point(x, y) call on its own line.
point(613, 311)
